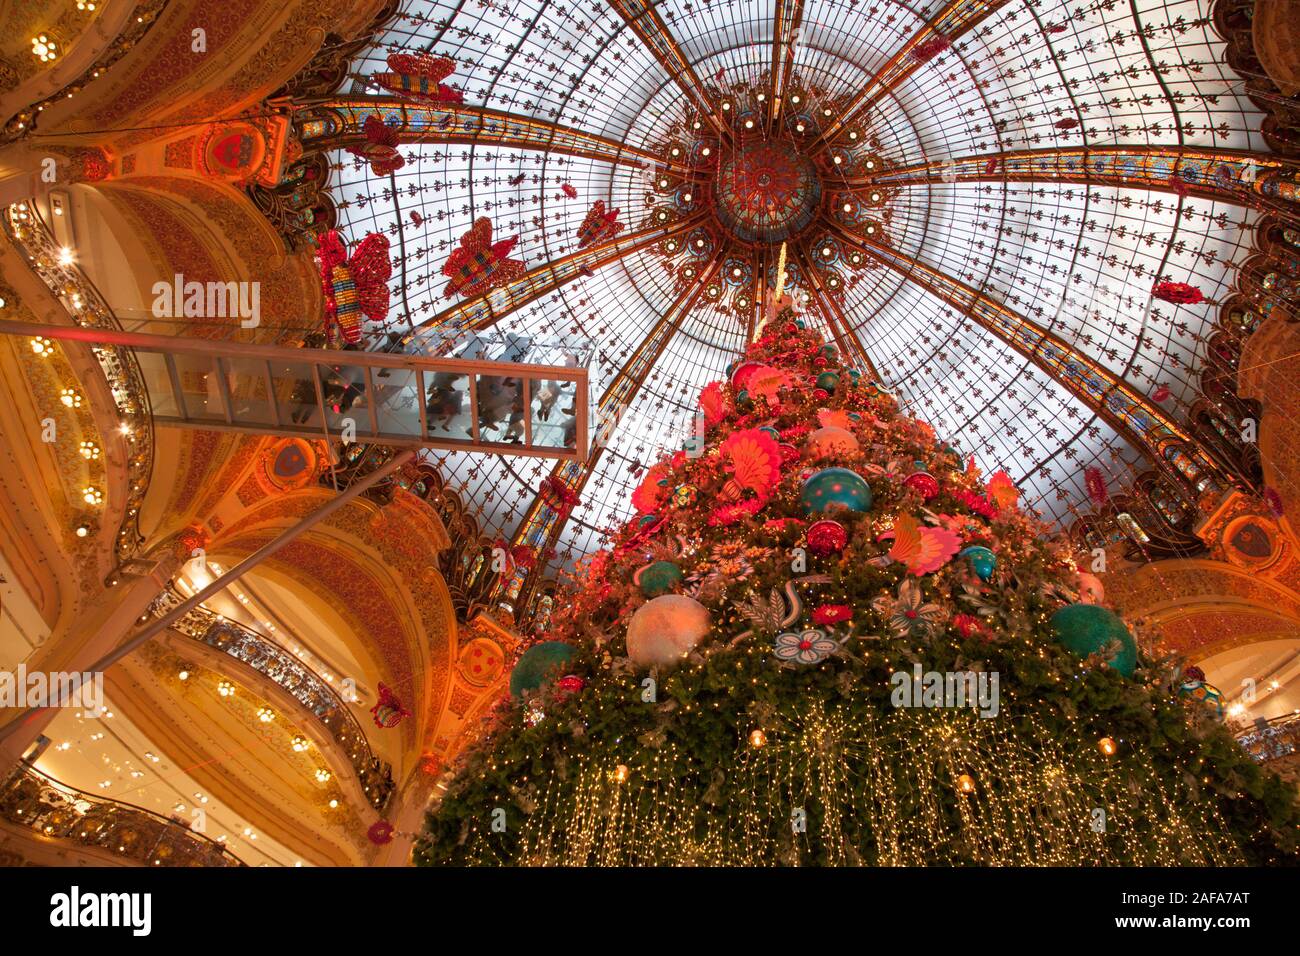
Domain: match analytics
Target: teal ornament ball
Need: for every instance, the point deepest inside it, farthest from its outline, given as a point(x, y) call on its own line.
point(646, 520)
point(538, 663)
point(657, 578)
point(982, 561)
point(830, 352)
point(742, 398)
point(776, 435)
point(835, 489)
point(1203, 693)
point(855, 375)
point(827, 381)
point(1085, 629)
point(800, 324)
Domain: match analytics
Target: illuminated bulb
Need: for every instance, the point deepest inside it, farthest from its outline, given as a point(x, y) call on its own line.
point(795, 98)
point(838, 160)
point(966, 783)
point(676, 151)
point(184, 675)
point(226, 689)
point(323, 775)
point(686, 197)
point(663, 184)
point(334, 804)
point(65, 256)
point(265, 714)
point(799, 127)
point(70, 397)
point(848, 207)
point(299, 743)
point(757, 738)
point(726, 106)
point(826, 112)
point(43, 48)
point(705, 151)
point(82, 530)
point(86, 5)
point(749, 124)
point(621, 773)
point(89, 450)
point(1107, 746)
point(42, 346)
point(92, 496)
point(827, 250)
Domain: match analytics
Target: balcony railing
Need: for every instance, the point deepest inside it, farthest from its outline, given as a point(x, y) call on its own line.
point(1272, 739)
point(52, 809)
point(314, 694)
point(88, 308)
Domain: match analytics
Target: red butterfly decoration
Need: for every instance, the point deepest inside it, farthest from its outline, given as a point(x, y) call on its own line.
point(420, 76)
point(380, 147)
point(599, 225)
point(354, 286)
point(569, 191)
point(481, 265)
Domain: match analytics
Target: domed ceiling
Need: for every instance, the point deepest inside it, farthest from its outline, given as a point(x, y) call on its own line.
point(922, 166)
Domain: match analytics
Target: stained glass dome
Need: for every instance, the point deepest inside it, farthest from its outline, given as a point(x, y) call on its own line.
point(974, 200)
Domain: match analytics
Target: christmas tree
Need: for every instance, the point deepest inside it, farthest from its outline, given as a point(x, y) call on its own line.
point(826, 639)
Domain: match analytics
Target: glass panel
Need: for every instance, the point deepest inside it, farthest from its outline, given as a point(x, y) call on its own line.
point(500, 411)
point(200, 386)
point(395, 401)
point(553, 420)
point(344, 388)
point(297, 394)
point(153, 366)
point(249, 400)
point(447, 405)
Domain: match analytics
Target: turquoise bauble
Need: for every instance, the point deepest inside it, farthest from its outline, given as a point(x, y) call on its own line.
point(776, 435)
point(647, 520)
point(1085, 629)
point(657, 578)
point(855, 375)
point(835, 489)
point(731, 368)
point(742, 398)
point(1207, 694)
point(537, 664)
point(828, 380)
point(800, 324)
point(982, 560)
point(830, 352)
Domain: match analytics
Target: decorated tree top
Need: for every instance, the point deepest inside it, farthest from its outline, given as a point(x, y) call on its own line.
point(745, 674)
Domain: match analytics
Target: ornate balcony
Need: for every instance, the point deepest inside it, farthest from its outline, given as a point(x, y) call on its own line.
point(56, 811)
point(314, 694)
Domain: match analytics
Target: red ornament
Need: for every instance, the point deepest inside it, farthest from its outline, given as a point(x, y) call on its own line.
point(481, 265)
point(924, 483)
point(991, 166)
point(1095, 482)
point(354, 286)
point(832, 614)
point(1160, 394)
point(569, 191)
point(967, 625)
point(928, 50)
point(389, 712)
point(1066, 124)
point(570, 684)
point(380, 832)
point(1179, 293)
point(557, 495)
point(827, 537)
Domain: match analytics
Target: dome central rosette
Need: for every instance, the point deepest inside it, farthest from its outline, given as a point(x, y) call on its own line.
point(766, 191)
